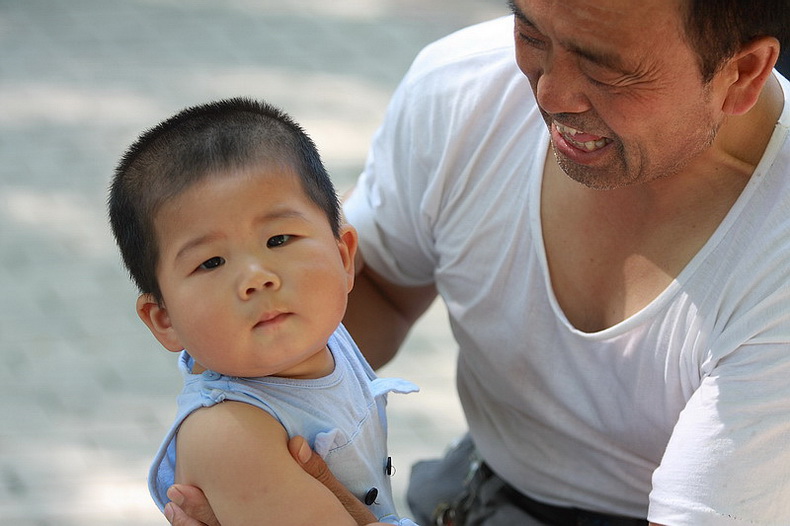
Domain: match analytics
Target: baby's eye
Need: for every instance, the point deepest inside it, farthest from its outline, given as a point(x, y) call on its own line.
point(212, 263)
point(276, 241)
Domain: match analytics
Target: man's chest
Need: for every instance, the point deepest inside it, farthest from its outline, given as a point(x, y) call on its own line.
point(609, 255)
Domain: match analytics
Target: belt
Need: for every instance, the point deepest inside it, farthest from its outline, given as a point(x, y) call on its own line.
point(557, 515)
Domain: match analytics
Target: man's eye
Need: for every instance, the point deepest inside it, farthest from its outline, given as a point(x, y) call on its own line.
point(529, 34)
point(599, 83)
point(532, 41)
point(212, 263)
point(276, 241)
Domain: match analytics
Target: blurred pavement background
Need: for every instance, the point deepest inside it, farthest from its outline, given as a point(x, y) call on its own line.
point(88, 392)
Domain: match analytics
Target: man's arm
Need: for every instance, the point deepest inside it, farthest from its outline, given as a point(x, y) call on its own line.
point(380, 313)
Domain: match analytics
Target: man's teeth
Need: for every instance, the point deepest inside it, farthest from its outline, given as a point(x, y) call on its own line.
point(568, 133)
point(590, 145)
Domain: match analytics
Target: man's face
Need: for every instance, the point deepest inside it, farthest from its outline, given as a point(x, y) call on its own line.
point(618, 86)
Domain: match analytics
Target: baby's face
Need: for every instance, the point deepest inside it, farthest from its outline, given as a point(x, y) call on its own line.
point(253, 279)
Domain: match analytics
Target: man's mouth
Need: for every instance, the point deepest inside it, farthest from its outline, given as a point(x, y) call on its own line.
point(581, 140)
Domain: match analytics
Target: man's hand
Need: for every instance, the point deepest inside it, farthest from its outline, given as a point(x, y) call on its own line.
point(189, 506)
point(315, 466)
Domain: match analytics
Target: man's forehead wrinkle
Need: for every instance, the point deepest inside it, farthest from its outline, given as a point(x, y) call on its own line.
point(607, 19)
point(601, 32)
point(594, 31)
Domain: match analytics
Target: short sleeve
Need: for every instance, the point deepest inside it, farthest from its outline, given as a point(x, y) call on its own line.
point(728, 460)
point(385, 206)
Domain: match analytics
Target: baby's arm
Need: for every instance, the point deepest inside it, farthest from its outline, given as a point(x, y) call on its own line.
point(238, 455)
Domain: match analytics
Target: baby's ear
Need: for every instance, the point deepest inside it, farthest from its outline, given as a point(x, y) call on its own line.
point(347, 244)
point(154, 315)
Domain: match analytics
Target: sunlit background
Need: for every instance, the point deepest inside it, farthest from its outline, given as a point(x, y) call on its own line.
point(85, 392)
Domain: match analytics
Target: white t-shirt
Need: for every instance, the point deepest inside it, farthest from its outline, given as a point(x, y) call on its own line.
point(683, 408)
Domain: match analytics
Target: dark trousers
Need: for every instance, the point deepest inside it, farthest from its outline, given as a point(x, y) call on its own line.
point(461, 490)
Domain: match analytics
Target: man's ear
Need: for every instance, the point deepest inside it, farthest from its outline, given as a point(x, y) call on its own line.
point(748, 72)
point(155, 316)
point(348, 243)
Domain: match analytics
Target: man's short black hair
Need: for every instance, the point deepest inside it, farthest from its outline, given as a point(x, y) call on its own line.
point(717, 29)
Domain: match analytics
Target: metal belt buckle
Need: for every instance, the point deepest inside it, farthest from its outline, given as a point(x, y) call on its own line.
point(444, 515)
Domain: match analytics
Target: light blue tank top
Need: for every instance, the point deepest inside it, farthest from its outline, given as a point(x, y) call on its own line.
point(342, 415)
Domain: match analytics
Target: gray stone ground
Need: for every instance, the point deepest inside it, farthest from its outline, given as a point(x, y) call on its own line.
point(87, 392)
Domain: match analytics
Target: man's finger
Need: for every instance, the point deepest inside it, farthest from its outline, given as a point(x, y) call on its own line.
point(189, 507)
point(177, 517)
point(312, 464)
point(317, 468)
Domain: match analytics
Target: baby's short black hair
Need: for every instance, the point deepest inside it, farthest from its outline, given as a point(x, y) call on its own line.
point(198, 142)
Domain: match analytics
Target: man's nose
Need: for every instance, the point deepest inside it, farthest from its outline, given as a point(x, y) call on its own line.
point(560, 86)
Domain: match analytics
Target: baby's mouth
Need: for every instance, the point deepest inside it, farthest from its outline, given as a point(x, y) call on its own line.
point(581, 140)
point(271, 318)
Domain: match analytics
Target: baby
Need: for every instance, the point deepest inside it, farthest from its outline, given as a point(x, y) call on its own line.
point(230, 226)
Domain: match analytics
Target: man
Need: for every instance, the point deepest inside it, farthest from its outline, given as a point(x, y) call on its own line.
point(612, 252)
